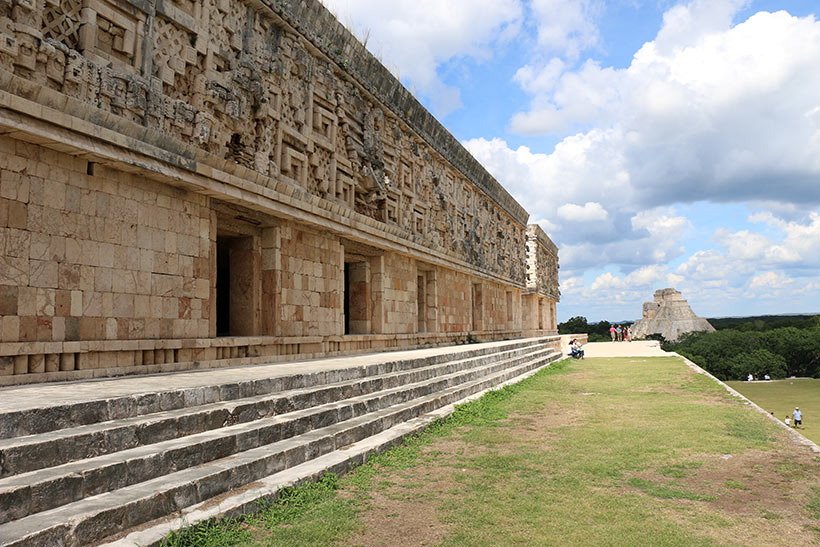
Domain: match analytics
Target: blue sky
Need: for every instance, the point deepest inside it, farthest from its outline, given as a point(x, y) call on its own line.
point(660, 143)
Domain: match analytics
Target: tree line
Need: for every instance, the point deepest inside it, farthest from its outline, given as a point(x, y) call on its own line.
point(733, 354)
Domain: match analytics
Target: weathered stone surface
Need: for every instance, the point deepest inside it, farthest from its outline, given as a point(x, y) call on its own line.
point(103, 495)
point(197, 183)
point(669, 315)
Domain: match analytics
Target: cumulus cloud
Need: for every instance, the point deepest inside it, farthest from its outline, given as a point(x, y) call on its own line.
point(795, 244)
point(686, 24)
point(418, 36)
point(782, 265)
point(721, 113)
point(707, 111)
point(589, 212)
point(566, 27)
point(606, 230)
point(770, 281)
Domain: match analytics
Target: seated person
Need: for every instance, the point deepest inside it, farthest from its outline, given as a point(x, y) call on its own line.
point(575, 350)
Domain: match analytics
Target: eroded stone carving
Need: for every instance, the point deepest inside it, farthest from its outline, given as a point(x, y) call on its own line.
point(229, 78)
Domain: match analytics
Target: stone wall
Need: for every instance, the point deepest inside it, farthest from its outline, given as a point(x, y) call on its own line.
point(211, 79)
point(309, 289)
point(542, 293)
point(206, 183)
point(97, 256)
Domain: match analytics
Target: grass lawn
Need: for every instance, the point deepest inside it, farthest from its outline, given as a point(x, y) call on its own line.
point(781, 396)
point(620, 451)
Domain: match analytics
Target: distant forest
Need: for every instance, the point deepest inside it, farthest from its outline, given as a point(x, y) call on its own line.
point(777, 345)
point(764, 322)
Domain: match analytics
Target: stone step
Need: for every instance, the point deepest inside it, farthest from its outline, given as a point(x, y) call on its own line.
point(247, 499)
point(45, 489)
point(42, 418)
point(92, 519)
point(39, 451)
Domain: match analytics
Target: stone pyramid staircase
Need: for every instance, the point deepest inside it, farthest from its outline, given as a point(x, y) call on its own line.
point(123, 461)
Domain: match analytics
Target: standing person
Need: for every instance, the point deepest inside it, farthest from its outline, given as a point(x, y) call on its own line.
point(798, 417)
point(787, 421)
point(612, 332)
point(627, 334)
point(620, 333)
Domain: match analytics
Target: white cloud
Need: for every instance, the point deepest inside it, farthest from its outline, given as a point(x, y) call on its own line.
point(661, 222)
point(572, 285)
point(638, 281)
point(419, 35)
point(770, 280)
point(686, 24)
point(798, 247)
point(647, 276)
point(566, 27)
point(539, 79)
point(605, 282)
point(721, 114)
point(589, 212)
point(561, 100)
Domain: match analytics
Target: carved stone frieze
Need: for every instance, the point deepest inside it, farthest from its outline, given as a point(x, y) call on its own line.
point(245, 82)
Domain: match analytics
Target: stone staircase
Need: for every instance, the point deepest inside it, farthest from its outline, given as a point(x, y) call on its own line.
point(125, 468)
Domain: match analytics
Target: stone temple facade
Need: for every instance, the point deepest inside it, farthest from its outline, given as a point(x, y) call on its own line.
point(200, 183)
point(669, 315)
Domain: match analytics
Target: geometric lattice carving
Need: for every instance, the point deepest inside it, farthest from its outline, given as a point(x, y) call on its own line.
point(61, 21)
point(173, 51)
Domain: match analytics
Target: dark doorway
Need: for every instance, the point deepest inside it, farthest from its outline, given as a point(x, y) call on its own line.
point(346, 298)
point(421, 302)
point(223, 287)
point(357, 298)
point(235, 286)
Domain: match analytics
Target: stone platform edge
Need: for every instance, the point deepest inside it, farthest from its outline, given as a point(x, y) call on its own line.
point(339, 462)
point(24, 363)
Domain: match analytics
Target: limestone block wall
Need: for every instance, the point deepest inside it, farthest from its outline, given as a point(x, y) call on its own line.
point(400, 294)
point(90, 253)
point(542, 293)
point(455, 302)
point(542, 263)
point(311, 265)
point(205, 183)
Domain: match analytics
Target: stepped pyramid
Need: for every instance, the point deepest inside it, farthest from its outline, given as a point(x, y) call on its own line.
point(670, 315)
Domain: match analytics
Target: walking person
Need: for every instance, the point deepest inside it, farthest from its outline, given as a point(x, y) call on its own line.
point(797, 417)
point(612, 332)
